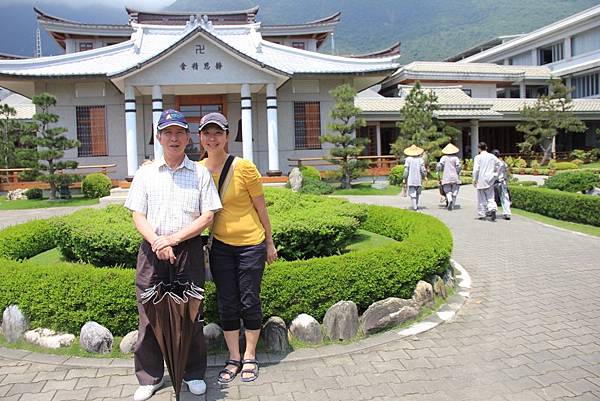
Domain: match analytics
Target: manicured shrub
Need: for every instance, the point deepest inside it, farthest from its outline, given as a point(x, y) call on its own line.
point(525, 183)
point(26, 240)
point(315, 186)
point(310, 171)
point(577, 162)
point(565, 166)
point(557, 204)
point(573, 181)
point(34, 193)
point(396, 176)
point(96, 185)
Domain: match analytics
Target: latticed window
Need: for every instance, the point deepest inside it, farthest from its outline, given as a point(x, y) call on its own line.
point(307, 125)
point(91, 131)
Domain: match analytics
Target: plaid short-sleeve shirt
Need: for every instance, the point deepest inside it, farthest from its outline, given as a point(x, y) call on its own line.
point(172, 198)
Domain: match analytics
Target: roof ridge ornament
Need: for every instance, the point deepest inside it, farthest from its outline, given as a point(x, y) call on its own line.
point(206, 23)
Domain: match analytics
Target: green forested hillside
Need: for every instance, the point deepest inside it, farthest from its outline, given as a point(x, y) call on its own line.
point(428, 29)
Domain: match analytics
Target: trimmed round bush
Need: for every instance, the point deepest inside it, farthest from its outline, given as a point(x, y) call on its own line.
point(315, 186)
point(396, 175)
point(526, 183)
point(27, 240)
point(96, 185)
point(573, 181)
point(557, 204)
point(34, 193)
point(564, 166)
point(310, 172)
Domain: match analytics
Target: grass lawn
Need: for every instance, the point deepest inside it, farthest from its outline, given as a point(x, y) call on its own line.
point(590, 165)
point(582, 228)
point(364, 188)
point(49, 257)
point(366, 240)
point(44, 203)
point(74, 350)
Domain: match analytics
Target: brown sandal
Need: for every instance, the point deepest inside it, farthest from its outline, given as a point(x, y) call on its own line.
point(232, 374)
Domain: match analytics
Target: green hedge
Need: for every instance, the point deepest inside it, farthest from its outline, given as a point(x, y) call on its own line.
point(560, 205)
point(310, 172)
point(315, 186)
point(396, 176)
point(65, 296)
point(573, 181)
point(96, 185)
point(26, 240)
point(565, 166)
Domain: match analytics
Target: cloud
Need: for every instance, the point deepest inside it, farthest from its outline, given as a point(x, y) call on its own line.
point(141, 4)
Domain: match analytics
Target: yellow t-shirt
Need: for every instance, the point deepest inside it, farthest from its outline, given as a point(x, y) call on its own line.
point(238, 223)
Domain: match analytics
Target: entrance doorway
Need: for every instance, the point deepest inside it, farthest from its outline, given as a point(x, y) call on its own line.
point(194, 107)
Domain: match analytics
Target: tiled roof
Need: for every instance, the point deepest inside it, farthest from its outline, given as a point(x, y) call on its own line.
point(502, 105)
point(22, 105)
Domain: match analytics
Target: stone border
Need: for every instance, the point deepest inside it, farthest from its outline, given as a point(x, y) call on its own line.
point(446, 313)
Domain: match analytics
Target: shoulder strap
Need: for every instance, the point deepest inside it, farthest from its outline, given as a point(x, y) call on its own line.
point(224, 180)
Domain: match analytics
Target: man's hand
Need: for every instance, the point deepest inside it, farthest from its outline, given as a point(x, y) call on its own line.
point(166, 254)
point(163, 241)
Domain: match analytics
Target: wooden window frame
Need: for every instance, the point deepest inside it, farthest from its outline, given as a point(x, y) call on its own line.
point(91, 131)
point(307, 125)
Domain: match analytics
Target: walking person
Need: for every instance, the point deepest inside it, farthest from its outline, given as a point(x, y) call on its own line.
point(450, 166)
point(242, 243)
point(414, 172)
point(485, 174)
point(173, 200)
point(502, 185)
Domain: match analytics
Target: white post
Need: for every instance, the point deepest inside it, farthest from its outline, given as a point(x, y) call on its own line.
point(474, 137)
point(567, 48)
point(522, 90)
point(131, 131)
point(378, 137)
point(246, 122)
point(157, 108)
point(272, 131)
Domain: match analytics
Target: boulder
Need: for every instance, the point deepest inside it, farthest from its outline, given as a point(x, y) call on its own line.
point(14, 323)
point(594, 192)
point(387, 313)
point(16, 194)
point(213, 334)
point(96, 338)
point(380, 185)
point(274, 335)
point(306, 328)
point(449, 278)
point(341, 321)
point(423, 294)
point(49, 338)
point(439, 287)
point(295, 179)
point(127, 345)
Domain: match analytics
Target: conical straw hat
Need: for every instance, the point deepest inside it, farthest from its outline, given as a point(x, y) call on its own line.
point(413, 150)
point(450, 149)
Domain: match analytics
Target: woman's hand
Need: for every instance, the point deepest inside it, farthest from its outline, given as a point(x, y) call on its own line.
point(271, 252)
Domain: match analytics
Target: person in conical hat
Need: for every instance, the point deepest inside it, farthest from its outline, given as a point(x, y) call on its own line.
point(414, 172)
point(450, 166)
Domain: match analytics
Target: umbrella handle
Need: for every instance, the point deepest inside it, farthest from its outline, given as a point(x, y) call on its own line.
point(171, 273)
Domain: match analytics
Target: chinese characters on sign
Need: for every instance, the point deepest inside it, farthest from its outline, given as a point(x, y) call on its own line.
point(201, 66)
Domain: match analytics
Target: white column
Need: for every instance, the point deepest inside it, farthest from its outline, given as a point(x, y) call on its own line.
point(131, 131)
point(157, 108)
point(474, 137)
point(378, 137)
point(459, 145)
point(522, 90)
point(554, 147)
point(534, 57)
point(567, 48)
point(246, 122)
point(272, 131)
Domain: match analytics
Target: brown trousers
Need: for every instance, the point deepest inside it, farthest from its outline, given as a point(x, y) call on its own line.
point(148, 359)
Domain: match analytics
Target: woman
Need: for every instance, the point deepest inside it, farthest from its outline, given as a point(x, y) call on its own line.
point(414, 172)
point(450, 166)
point(242, 243)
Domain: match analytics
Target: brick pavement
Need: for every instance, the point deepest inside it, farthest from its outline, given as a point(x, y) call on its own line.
point(531, 331)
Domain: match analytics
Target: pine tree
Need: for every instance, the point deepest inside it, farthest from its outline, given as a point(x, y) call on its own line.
point(419, 125)
point(8, 136)
point(550, 115)
point(342, 134)
point(51, 145)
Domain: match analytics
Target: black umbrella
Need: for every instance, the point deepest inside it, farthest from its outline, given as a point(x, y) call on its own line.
point(172, 310)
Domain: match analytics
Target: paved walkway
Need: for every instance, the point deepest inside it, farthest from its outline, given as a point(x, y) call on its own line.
point(531, 331)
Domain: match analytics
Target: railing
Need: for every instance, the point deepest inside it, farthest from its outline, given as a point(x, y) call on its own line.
point(9, 177)
point(377, 165)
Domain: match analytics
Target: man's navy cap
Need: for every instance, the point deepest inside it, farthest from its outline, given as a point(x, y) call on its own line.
point(171, 117)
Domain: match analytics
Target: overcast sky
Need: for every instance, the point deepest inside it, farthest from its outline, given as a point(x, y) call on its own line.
point(145, 4)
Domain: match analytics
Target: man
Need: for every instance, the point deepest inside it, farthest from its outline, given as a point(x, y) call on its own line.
point(172, 200)
point(485, 174)
point(502, 186)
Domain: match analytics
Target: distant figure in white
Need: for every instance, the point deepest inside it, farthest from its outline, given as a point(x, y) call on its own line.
point(502, 186)
point(485, 174)
point(414, 172)
point(450, 165)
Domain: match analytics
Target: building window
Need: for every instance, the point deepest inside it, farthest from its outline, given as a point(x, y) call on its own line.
point(586, 85)
point(91, 131)
point(299, 45)
point(307, 125)
point(83, 46)
point(550, 54)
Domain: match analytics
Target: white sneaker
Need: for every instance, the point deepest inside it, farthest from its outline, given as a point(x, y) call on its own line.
point(196, 387)
point(144, 393)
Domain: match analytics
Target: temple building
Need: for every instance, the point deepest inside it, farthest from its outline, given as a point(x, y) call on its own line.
point(270, 81)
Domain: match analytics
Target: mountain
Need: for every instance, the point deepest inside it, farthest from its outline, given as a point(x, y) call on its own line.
point(428, 29)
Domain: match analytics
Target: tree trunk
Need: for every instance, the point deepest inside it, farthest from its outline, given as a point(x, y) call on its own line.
point(547, 154)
